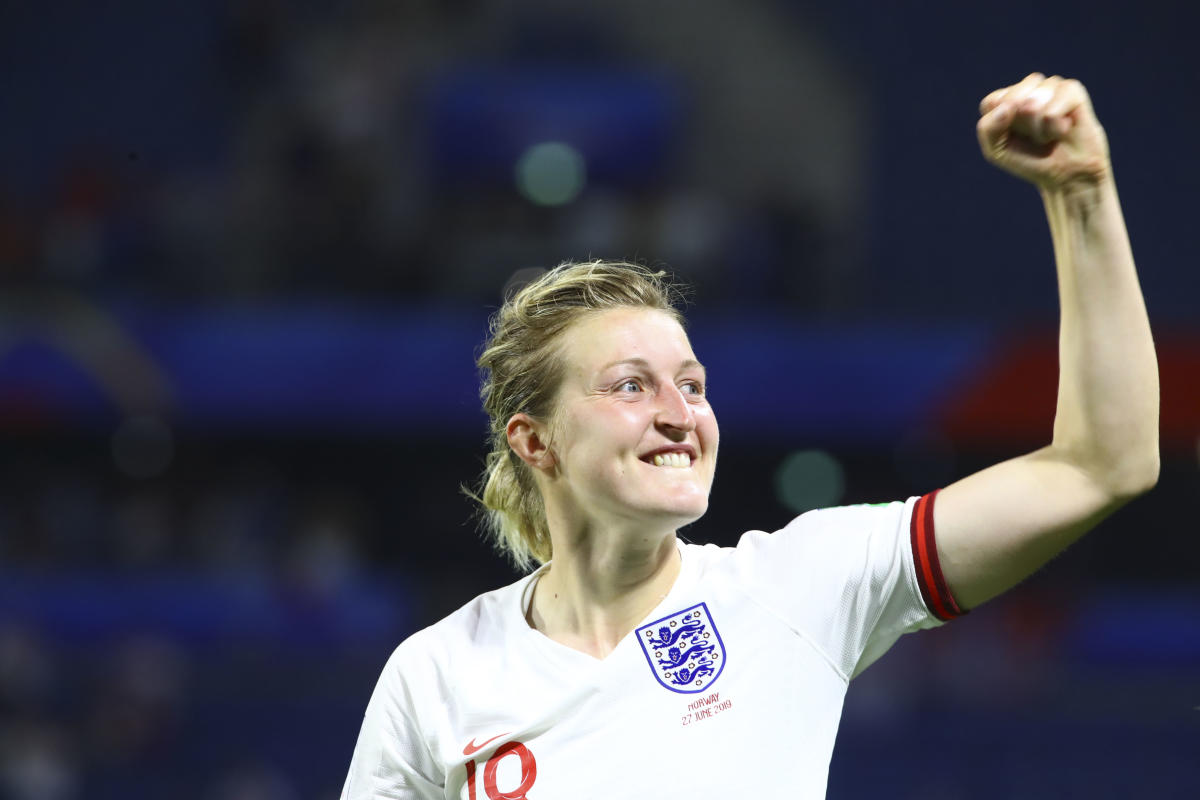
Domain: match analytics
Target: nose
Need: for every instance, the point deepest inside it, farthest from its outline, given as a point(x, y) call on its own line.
point(674, 412)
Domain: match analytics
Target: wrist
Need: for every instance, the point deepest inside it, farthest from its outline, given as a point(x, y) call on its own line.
point(1080, 194)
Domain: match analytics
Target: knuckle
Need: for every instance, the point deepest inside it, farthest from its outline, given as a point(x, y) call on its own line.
point(1040, 95)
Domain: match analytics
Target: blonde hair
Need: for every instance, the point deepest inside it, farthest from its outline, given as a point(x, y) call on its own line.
point(522, 369)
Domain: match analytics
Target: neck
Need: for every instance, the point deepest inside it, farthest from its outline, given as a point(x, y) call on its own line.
point(600, 586)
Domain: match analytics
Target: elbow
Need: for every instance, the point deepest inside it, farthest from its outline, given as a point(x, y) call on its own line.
point(1124, 474)
point(1150, 478)
point(1135, 477)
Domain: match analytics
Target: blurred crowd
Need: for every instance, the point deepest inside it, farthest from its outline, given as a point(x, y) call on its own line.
point(148, 715)
point(347, 165)
point(244, 518)
point(141, 619)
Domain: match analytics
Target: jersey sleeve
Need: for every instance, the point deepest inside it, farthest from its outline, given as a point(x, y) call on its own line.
point(391, 759)
point(851, 579)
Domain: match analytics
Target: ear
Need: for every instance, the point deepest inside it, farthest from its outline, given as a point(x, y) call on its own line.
point(528, 439)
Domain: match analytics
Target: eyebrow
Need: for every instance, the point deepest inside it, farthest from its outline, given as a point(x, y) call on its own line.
point(688, 363)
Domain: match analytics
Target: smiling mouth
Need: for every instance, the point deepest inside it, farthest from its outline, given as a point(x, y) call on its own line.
point(675, 460)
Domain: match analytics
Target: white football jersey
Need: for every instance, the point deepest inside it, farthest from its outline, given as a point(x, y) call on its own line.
point(732, 687)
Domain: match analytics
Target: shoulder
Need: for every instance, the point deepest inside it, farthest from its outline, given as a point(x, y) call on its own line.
point(836, 527)
point(820, 556)
point(832, 528)
point(484, 623)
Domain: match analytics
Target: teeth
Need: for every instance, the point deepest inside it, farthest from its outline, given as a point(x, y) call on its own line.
point(672, 460)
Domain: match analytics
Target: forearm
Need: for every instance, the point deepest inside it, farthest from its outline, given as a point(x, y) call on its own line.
point(1106, 420)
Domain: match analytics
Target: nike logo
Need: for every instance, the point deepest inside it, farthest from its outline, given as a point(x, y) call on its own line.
point(472, 748)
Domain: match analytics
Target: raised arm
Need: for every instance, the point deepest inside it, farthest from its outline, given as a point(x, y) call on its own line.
point(999, 525)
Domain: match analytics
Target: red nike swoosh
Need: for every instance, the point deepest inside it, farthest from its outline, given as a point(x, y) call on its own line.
point(472, 748)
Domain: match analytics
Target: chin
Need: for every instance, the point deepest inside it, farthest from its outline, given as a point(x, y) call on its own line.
point(692, 504)
point(662, 512)
point(682, 514)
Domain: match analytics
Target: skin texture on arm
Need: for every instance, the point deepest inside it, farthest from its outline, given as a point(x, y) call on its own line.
point(996, 527)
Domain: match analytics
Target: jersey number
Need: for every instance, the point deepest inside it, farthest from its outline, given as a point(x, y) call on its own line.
point(528, 773)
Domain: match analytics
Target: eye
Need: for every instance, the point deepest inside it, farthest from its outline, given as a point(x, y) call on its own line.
point(693, 387)
point(629, 386)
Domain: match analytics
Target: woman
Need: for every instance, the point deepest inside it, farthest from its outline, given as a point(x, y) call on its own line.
point(631, 664)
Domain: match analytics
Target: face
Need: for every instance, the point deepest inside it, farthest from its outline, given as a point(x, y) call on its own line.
point(633, 436)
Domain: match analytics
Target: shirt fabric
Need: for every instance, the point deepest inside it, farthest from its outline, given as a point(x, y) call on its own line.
point(732, 686)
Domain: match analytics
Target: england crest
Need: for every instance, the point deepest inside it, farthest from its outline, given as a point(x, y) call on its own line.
point(684, 650)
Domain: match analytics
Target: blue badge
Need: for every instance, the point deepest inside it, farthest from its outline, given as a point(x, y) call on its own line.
point(684, 650)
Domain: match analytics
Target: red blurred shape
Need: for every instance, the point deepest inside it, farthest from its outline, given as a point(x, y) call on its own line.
point(1011, 400)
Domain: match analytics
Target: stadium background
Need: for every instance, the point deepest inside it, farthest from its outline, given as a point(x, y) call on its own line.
point(247, 251)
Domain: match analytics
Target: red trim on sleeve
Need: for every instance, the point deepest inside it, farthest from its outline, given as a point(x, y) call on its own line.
point(932, 583)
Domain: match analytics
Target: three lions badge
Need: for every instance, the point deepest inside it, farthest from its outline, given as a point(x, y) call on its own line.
point(684, 650)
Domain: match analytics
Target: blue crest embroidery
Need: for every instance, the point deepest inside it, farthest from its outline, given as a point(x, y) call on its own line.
point(684, 650)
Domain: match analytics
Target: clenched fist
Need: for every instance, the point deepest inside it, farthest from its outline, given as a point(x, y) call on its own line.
point(1044, 131)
